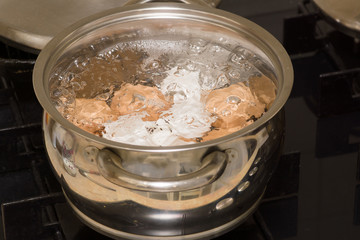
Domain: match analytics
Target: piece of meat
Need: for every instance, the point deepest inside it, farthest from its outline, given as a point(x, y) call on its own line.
point(138, 98)
point(90, 114)
point(234, 106)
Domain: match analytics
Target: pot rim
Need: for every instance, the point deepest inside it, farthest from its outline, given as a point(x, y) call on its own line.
point(42, 69)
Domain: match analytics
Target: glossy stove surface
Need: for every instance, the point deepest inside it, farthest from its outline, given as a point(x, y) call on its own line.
point(315, 191)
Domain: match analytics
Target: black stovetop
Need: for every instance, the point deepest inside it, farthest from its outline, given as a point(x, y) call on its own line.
point(315, 191)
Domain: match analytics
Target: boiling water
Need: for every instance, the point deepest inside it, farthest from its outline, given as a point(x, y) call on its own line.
point(185, 72)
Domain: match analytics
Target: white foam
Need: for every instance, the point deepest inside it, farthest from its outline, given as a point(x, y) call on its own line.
point(132, 129)
point(187, 118)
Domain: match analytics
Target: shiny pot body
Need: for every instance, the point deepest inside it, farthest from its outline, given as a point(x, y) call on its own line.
point(190, 191)
point(195, 213)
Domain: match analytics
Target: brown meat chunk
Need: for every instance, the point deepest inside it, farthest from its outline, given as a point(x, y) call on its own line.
point(137, 98)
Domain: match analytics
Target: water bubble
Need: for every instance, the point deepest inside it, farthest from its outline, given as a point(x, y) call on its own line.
point(191, 66)
point(75, 85)
point(177, 74)
point(234, 74)
point(67, 115)
point(154, 65)
point(76, 62)
point(56, 93)
point(189, 120)
point(85, 63)
point(171, 87)
point(226, 113)
point(243, 64)
point(247, 54)
point(103, 96)
point(68, 78)
point(71, 108)
point(67, 100)
point(138, 103)
point(238, 74)
point(139, 97)
point(241, 56)
point(223, 40)
point(179, 96)
point(216, 48)
point(246, 66)
point(97, 120)
point(197, 46)
point(222, 81)
point(235, 58)
point(83, 84)
point(243, 52)
point(206, 82)
point(233, 99)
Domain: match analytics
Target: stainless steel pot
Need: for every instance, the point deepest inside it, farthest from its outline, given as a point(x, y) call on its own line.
point(191, 191)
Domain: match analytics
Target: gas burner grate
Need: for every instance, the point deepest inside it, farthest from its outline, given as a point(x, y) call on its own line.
point(339, 92)
point(337, 88)
point(37, 218)
point(27, 185)
point(301, 33)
